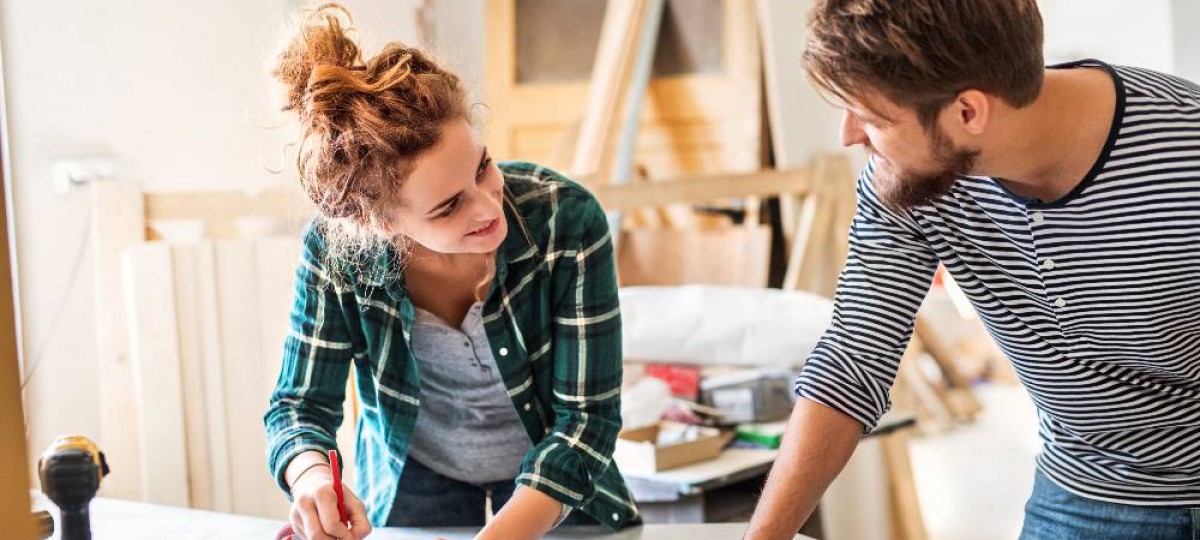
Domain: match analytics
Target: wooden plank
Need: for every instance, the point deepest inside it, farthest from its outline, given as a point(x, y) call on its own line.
point(798, 247)
point(276, 264)
point(818, 248)
point(929, 400)
point(842, 185)
point(275, 270)
point(191, 345)
point(500, 75)
point(856, 503)
point(241, 351)
point(14, 474)
point(609, 87)
point(817, 245)
point(117, 224)
point(906, 507)
point(213, 375)
point(702, 189)
point(150, 297)
point(225, 205)
point(204, 402)
point(789, 217)
point(675, 257)
point(742, 129)
point(645, 38)
point(960, 398)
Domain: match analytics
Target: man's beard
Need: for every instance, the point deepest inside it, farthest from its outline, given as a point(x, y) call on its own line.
point(902, 190)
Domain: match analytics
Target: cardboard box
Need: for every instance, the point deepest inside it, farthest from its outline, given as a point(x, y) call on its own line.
point(666, 446)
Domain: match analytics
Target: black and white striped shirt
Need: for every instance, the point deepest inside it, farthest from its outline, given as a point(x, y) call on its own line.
point(1095, 298)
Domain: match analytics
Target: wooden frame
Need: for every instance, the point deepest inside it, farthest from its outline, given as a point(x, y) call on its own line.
point(822, 192)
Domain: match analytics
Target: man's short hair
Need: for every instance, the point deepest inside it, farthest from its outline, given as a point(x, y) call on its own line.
point(921, 54)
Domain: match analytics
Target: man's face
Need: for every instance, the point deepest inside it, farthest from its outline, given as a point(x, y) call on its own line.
point(914, 166)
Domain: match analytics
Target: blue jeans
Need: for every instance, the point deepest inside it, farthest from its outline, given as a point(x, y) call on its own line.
point(1054, 513)
point(428, 499)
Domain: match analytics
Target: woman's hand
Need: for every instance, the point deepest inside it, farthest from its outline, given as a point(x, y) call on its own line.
point(314, 514)
point(529, 515)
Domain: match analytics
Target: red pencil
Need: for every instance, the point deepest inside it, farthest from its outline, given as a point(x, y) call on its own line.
point(337, 484)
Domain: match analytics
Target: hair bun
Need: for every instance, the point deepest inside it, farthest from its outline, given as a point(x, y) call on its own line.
point(322, 45)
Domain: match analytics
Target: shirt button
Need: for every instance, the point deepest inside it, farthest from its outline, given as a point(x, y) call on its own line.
point(1048, 264)
point(616, 517)
point(1038, 217)
point(528, 407)
point(1060, 302)
point(503, 351)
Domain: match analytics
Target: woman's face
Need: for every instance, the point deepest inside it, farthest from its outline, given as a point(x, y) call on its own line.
point(453, 201)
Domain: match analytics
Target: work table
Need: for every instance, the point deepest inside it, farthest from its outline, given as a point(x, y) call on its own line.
point(125, 520)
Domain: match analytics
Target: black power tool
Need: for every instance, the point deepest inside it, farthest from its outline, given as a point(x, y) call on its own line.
point(71, 470)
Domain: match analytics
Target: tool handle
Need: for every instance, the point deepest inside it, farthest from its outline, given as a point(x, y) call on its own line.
point(76, 525)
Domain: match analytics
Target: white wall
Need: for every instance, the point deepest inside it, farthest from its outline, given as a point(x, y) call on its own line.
point(176, 92)
point(1185, 19)
point(809, 124)
point(1115, 31)
point(460, 40)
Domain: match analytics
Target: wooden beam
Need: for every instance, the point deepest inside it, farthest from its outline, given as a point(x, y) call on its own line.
point(216, 423)
point(149, 285)
point(204, 390)
point(118, 223)
point(621, 40)
point(241, 342)
point(14, 461)
point(960, 397)
point(646, 39)
point(225, 205)
point(801, 237)
point(702, 189)
point(906, 507)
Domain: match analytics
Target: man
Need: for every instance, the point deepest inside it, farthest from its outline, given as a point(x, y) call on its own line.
point(1065, 201)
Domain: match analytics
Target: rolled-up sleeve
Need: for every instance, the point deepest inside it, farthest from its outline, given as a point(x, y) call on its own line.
point(889, 268)
point(306, 407)
point(587, 364)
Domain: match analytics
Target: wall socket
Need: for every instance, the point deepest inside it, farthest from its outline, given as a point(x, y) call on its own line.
point(76, 171)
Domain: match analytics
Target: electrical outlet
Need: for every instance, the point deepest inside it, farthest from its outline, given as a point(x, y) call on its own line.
point(69, 172)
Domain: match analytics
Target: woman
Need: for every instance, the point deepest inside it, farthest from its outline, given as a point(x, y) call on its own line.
point(475, 301)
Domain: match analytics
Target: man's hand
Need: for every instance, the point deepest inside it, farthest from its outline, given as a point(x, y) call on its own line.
point(817, 444)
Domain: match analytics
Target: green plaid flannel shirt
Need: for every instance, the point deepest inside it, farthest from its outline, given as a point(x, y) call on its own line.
point(553, 322)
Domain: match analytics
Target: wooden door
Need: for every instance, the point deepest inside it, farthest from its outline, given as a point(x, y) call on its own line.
point(702, 111)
